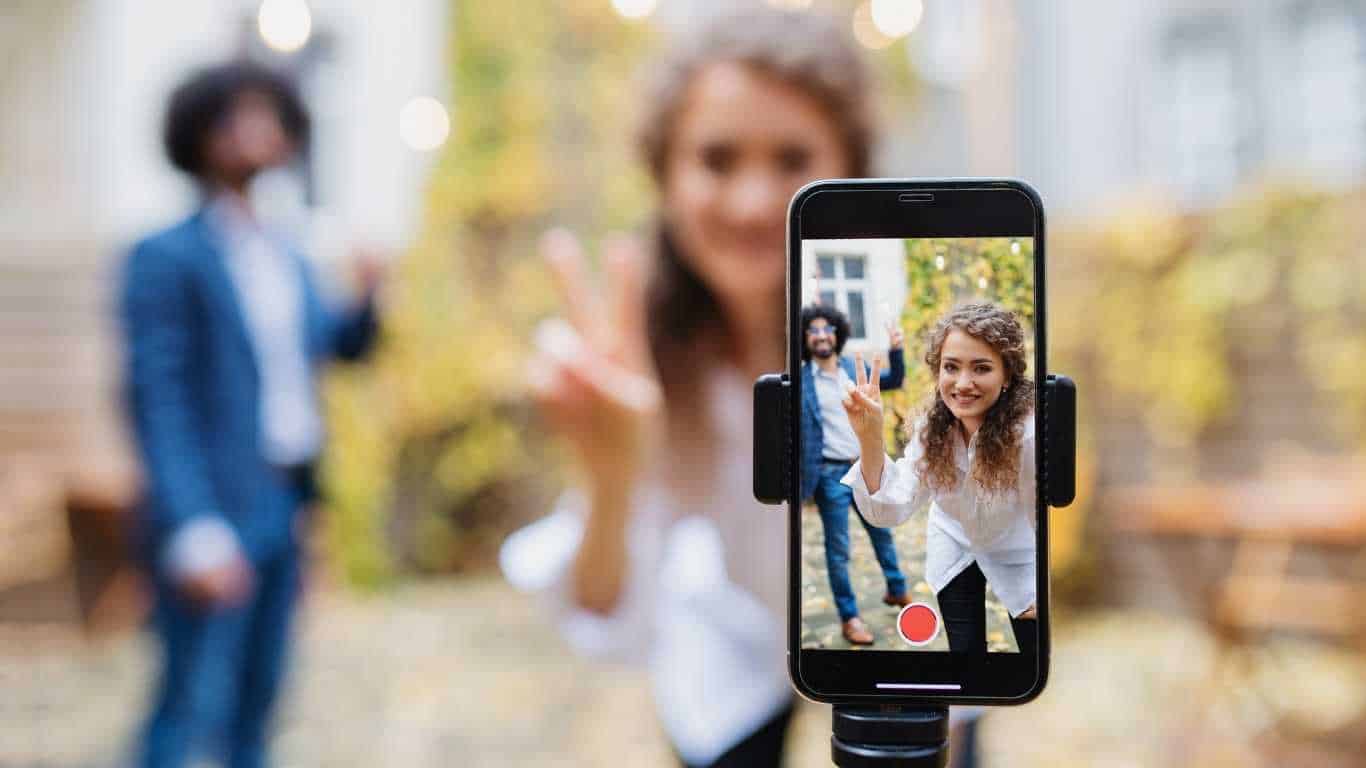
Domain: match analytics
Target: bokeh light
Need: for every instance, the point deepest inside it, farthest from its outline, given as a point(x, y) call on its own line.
point(866, 32)
point(424, 124)
point(896, 18)
point(284, 25)
point(634, 9)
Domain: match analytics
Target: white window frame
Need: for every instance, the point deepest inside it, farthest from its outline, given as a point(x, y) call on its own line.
point(842, 286)
point(1328, 80)
point(1202, 123)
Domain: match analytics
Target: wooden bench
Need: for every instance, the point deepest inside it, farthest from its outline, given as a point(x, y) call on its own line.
point(1266, 524)
point(33, 532)
point(100, 503)
point(66, 546)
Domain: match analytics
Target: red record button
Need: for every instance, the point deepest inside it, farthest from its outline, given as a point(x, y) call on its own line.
point(918, 624)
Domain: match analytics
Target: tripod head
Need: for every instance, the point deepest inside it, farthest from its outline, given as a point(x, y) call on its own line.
point(890, 737)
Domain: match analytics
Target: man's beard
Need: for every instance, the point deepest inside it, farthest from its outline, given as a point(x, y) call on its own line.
point(824, 351)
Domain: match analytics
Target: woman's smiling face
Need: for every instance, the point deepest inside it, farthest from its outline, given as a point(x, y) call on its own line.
point(971, 376)
point(744, 142)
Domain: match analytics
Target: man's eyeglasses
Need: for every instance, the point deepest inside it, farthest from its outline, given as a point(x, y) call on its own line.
point(820, 331)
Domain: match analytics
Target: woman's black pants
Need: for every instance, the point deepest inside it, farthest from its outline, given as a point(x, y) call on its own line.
point(762, 749)
point(963, 604)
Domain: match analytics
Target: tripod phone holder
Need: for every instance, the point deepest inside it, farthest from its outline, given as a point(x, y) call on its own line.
point(913, 734)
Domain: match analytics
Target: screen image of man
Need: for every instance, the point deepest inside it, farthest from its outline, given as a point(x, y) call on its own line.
point(830, 448)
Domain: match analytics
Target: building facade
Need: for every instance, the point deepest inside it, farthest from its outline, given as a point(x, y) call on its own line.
point(1099, 104)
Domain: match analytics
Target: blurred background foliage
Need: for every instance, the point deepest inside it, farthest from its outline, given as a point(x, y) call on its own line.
point(432, 458)
point(1168, 318)
point(1160, 307)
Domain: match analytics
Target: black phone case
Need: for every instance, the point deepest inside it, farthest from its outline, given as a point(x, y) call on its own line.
point(777, 412)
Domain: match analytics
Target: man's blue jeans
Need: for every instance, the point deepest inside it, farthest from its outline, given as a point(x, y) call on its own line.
point(834, 500)
point(222, 671)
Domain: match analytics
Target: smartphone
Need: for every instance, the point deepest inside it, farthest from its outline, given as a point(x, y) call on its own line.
point(932, 586)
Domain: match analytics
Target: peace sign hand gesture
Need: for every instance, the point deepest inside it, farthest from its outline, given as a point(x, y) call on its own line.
point(863, 404)
point(594, 376)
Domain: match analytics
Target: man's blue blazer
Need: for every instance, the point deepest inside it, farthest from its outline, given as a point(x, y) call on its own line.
point(192, 389)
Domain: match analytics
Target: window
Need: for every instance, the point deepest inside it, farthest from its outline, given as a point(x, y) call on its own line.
point(857, 329)
point(842, 283)
point(826, 265)
point(1201, 127)
point(853, 267)
point(1327, 56)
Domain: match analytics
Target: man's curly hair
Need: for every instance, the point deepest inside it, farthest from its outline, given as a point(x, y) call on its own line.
point(997, 464)
point(199, 105)
point(837, 320)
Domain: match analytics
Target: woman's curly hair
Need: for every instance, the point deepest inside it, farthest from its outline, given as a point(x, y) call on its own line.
point(997, 463)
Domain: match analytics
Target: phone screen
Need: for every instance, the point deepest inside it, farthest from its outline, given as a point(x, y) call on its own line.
point(927, 347)
point(946, 561)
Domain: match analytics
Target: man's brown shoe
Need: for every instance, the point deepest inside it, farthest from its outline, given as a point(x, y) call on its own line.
point(856, 632)
point(900, 601)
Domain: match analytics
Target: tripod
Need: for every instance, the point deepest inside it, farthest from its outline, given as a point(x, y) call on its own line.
point(891, 736)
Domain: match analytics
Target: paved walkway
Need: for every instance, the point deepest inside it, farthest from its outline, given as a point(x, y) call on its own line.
point(465, 673)
point(433, 674)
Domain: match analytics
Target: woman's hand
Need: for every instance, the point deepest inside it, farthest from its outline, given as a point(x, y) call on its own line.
point(863, 404)
point(595, 382)
point(594, 377)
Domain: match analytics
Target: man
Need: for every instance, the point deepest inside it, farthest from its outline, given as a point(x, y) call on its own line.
point(225, 330)
point(830, 448)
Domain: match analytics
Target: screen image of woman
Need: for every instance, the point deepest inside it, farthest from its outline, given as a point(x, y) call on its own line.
point(971, 457)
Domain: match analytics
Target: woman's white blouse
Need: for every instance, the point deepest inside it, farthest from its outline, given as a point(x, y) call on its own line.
point(965, 525)
point(705, 595)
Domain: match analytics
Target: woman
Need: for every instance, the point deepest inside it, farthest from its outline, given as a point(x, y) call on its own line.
point(662, 553)
point(972, 458)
